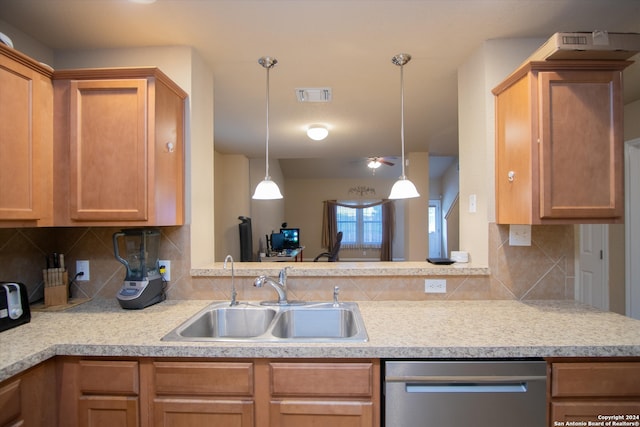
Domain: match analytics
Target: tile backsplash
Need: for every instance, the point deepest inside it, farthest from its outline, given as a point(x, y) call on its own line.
point(544, 270)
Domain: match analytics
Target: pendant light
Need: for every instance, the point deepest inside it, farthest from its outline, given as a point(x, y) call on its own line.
point(267, 189)
point(403, 188)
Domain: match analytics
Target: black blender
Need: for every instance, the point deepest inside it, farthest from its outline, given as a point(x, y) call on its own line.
point(143, 284)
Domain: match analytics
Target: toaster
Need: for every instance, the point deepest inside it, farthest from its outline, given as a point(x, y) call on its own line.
point(14, 305)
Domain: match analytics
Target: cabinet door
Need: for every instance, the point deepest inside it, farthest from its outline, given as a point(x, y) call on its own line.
point(193, 394)
point(28, 399)
point(626, 413)
point(202, 412)
point(336, 394)
point(303, 413)
point(514, 157)
point(108, 168)
point(108, 411)
point(581, 146)
point(26, 150)
point(11, 413)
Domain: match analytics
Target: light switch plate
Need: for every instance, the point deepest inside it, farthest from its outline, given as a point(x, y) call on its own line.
point(473, 203)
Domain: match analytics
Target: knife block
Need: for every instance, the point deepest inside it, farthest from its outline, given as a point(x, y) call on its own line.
point(55, 286)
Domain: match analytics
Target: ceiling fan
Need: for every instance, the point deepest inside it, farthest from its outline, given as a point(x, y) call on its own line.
point(376, 162)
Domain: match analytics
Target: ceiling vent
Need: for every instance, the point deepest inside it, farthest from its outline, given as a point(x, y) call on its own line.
point(313, 94)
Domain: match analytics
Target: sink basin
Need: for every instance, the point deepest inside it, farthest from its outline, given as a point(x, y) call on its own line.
point(316, 322)
point(252, 322)
point(224, 321)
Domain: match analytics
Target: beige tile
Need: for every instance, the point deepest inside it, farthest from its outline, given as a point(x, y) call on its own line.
point(544, 270)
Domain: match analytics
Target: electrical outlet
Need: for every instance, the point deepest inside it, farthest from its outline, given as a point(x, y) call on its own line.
point(82, 266)
point(435, 286)
point(519, 235)
point(167, 269)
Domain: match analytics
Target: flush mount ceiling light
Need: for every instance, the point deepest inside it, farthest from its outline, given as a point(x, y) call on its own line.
point(317, 132)
point(267, 189)
point(403, 188)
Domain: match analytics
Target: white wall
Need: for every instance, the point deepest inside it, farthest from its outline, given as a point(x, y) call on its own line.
point(632, 121)
point(232, 196)
point(27, 45)
point(416, 235)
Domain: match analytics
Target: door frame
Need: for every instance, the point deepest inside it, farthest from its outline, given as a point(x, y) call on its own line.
point(632, 227)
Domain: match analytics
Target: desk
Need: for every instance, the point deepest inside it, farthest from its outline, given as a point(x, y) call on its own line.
point(294, 255)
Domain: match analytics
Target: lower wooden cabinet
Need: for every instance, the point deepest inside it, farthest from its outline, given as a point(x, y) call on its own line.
point(202, 412)
point(99, 393)
point(105, 411)
point(28, 399)
point(327, 412)
point(200, 393)
point(328, 394)
point(213, 392)
point(594, 392)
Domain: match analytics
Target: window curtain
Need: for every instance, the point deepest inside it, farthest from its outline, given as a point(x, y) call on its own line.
point(330, 225)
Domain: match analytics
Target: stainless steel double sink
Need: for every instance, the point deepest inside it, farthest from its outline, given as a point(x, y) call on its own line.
point(253, 322)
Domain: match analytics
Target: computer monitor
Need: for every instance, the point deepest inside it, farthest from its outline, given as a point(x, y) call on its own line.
point(291, 237)
point(277, 242)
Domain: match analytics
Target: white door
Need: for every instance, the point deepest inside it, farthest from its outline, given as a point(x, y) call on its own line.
point(435, 229)
point(592, 286)
point(632, 227)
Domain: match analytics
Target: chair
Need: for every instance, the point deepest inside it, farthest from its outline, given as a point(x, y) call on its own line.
point(332, 256)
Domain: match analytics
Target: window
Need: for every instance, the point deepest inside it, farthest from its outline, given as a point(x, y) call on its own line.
point(361, 228)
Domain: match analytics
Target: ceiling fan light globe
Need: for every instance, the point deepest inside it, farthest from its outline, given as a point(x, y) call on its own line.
point(317, 133)
point(403, 189)
point(374, 164)
point(267, 190)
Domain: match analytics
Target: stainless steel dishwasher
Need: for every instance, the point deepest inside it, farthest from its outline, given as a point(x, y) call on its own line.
point(497, 393)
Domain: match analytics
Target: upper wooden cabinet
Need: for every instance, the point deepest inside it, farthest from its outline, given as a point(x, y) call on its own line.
point(26, 141)
point(559, 143)
point(119, 147)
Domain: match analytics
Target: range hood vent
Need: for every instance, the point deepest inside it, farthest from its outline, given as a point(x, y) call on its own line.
point(313, 94)
point(594, 45)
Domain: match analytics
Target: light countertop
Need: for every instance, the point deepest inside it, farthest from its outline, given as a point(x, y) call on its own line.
point(396, 329)
point(324, 269)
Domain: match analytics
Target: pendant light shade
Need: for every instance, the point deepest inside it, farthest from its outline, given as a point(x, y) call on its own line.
point(267, 189)
point(403, 188)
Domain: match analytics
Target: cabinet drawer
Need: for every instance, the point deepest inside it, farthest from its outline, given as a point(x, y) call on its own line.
point(204, 378)
point(10, 402)
point(611, 379)
point(593, 411)
point(322, 379)
point(108, 377)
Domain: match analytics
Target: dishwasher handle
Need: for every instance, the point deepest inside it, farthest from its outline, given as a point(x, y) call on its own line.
point(466, 384)
point(512, 387)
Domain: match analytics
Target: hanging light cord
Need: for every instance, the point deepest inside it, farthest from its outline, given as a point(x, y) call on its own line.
point(266, 159)
point(402, 115)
